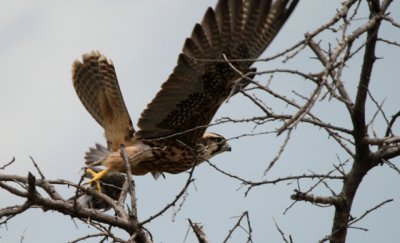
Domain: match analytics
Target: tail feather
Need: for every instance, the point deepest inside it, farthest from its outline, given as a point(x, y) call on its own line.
point(95, 155)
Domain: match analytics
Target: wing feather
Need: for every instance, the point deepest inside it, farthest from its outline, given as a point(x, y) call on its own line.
point(201, 40)
point(212, 30)
point(188, 100)
point(193, 49)
point(236, 8)
point(96, 84)
point(223, 15)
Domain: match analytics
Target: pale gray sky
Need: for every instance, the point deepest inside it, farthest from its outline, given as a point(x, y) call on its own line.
point(41, 116)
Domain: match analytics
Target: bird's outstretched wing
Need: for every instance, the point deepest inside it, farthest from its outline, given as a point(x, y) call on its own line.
point(201, 82)
point(97, 87)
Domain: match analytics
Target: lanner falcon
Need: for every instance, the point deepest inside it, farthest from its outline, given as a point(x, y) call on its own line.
point(171, 133)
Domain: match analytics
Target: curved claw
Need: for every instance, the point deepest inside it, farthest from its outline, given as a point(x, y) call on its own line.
point(96, 177)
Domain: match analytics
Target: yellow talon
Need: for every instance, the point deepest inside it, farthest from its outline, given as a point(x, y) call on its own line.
point(96, 177)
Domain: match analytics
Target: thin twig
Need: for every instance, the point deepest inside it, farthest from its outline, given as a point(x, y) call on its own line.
point(198, 231)
point(177, 197)
point(281, 232)
point(7, 164)
point(37, 168)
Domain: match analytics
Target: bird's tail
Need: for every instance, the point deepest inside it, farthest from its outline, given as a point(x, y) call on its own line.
point(95, 155)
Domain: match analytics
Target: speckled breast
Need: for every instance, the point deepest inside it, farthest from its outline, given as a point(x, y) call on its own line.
point(170, 156)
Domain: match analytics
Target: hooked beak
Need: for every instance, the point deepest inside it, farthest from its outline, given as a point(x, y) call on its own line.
point(226, 147)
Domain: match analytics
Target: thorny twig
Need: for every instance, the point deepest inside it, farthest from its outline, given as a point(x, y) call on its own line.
point(282, 233)
point(238, 225)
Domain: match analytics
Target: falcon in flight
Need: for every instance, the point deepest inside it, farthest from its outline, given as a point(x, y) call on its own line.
point(214, 64)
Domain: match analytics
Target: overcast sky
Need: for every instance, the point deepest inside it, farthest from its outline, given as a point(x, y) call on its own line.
point(42, 117)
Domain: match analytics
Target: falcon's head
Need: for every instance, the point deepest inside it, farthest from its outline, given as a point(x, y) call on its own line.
point(214, 144)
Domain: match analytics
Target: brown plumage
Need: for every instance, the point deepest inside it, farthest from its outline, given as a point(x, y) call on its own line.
point(171, 130)
point(97, 87)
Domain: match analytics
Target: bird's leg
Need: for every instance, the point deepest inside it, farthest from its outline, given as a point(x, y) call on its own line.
point(96, 177)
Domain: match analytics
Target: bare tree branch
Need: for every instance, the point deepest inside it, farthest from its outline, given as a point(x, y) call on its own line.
point(199, 232)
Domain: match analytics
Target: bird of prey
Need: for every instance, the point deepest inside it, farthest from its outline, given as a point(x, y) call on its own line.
point(214, 64)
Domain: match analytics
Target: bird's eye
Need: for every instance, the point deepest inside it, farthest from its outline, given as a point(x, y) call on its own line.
point(219, 140)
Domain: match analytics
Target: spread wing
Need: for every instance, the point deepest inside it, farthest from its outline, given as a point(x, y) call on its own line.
point(97, 87)
point(188, 100)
